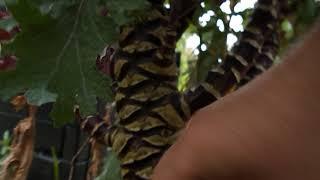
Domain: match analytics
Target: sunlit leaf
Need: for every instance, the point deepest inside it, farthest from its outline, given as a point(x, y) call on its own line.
point(286, 26)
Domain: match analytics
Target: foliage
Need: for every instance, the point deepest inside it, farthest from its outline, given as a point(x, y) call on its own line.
point(215, 26)
point(59, 41)
point(4, 145)
point(56, 51)
point(111, 168)
point(299, 21)
point(211, 23)
point(55, 164)
point(123, 11)
point(187, 58)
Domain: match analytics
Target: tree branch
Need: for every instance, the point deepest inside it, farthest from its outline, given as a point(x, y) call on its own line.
point(150, 111)
point(255, 48)
point(181, 12)
point(254, 43)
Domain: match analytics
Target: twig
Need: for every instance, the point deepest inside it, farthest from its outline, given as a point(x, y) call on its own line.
point(74, 158)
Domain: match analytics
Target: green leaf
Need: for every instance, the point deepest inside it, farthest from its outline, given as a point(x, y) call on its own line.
point(111, 168)
point(307, 11)
point(5, 144)
point(8, 24)
point(56, 57)
point(53, 8)
point(55, 164)
point(125, 5)
point(124, 11)
point(56, 8)
point(39, 96)
point(286, 26)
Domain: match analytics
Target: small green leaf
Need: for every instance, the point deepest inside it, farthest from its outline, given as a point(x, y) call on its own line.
point(111, 168)
point(8, 24)
point(40, 96)
point(5, 144)
point(286, 26)
point(55, 164)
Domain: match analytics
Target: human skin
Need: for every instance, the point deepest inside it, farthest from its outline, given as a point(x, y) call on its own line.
point(267, 130)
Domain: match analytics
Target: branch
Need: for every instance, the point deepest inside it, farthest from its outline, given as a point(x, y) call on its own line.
point(253, 44)
point(217, 2)
point(75, 157)
point(144, 72)
point(97, 153)
point(181, 13)
point(266, 57)
point(150, 111)
point(98, 128)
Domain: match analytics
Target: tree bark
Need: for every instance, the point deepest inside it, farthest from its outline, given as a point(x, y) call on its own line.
point(149, 109)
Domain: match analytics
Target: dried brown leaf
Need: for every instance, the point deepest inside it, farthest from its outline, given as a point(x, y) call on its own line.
point(19, 102)
point(17, 163)
point(97, 154)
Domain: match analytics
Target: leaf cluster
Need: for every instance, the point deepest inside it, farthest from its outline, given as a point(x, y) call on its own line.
point(56, 51)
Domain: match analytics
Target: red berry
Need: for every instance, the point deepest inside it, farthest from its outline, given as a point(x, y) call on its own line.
point(4, 14)
point(5, 35)
point(8, 62)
